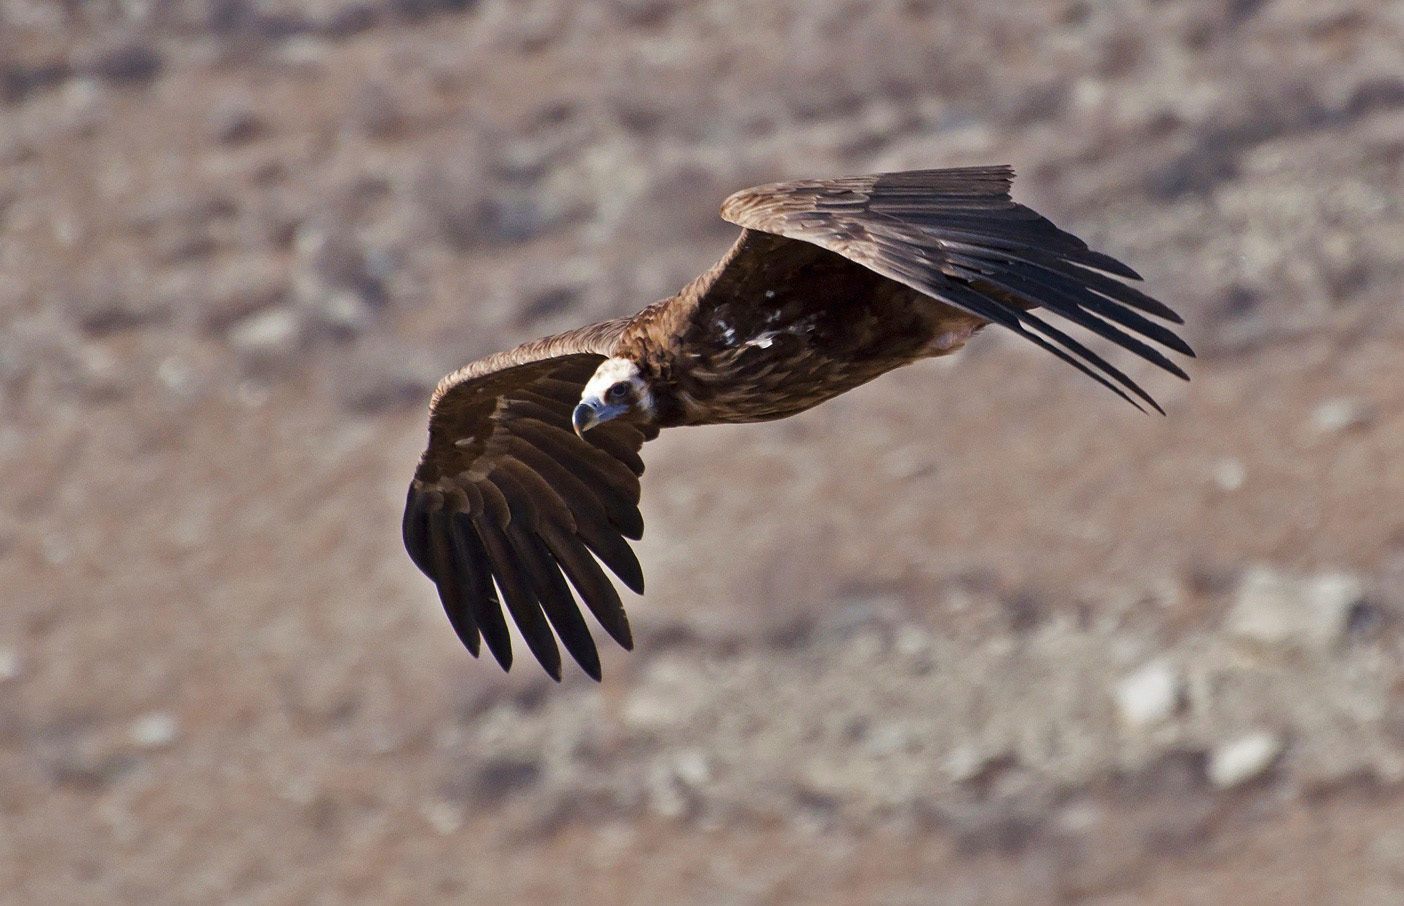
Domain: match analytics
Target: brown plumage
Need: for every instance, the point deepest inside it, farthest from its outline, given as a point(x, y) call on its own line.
point(531, 476)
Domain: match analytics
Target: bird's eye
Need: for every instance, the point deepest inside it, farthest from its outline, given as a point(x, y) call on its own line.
point(617, 391)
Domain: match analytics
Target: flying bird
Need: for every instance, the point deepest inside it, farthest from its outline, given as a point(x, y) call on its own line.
point(529, 486)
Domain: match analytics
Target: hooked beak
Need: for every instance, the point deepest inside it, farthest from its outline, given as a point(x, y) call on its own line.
point(592, 412)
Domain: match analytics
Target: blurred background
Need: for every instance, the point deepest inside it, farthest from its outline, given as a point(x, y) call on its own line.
point(975, 633)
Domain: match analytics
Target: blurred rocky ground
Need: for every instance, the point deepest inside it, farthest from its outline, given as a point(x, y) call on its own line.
point(975, 633)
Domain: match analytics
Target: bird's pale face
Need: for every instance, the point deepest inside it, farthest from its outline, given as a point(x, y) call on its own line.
point(617, 388)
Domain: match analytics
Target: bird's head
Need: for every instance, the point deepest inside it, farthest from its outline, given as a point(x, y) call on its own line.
point(617, 388)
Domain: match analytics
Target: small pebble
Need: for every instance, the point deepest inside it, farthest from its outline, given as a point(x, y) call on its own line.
point(233, 123)
point(56, 550)
point(10, 665)
point(443, 817)
point(270, 334)
point(964, 763)
point(155, 730)
point(1342, 414)
point(1229, 474)
point(1244, 759)
point(177, 376)
point(1150, 695)
point(912, 641)
point(1277, 610)
point(692, 768)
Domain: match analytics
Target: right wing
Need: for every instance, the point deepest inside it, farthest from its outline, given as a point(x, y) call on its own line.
point(507, 494)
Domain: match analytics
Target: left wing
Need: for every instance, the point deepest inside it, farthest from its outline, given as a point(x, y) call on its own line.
point(957, 236)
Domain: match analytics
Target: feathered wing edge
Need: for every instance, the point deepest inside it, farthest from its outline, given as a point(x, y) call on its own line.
point(509, 509)
point(958, 236)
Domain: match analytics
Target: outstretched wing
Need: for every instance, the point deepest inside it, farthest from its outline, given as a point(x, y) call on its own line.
point(956, 235)
point(510, 507)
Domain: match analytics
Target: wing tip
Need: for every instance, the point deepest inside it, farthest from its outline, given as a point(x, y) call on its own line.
point(503, 656)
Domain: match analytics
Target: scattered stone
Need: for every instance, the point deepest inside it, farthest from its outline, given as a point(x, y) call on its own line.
point(336, 282)
point(126, 64)
point(105, 306)
point(1385, 93)
point(913, 642)
point(17, 82)
point(1150, 696)
point(646, 13)
point(341, 314)
point(347, 20)
point(156, 730)
point(666, 700)
point(444, 817)
point(14, 149)
point(56, 550)
point(10, 665)
point(178, 211)
point(693, 769)
point(1276, 610)
point(1243, 759)
point(472, 205)
point(304, 50)
point(236, 288)
point(964, 763)
point(667, 794)
point(376, 113)
point(549, 303)
point(377, 374)
point(89, 773)
point(1342, 414)
point(502, 776)
point(267, 336)
point(415, 10)
point(251, 394)
point(1229, 474)
point(235, 123)
point(99, 375)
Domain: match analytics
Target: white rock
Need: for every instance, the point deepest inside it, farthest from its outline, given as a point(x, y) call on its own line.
point(56, 550)
point(1229, 474)
point(912, 641)
point(155, 730)
point(443, 817)
point(964, 763)
point(273, 334)
point(10, 665)
point(1276, 610)
point(1336, 415)
point(666, 797)
point(668, 698)
point(304, 51)
point(693, 769)
point(1150, 695)
point(176, 375)
point(1244, 759)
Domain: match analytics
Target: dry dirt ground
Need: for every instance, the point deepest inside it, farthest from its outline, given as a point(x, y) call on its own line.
point(976, 633)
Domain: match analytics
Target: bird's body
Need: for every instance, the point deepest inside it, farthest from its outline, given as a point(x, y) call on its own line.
point(824, 328)
point(531, 472)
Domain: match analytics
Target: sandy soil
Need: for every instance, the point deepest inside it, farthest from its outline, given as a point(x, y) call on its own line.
point(975, 633)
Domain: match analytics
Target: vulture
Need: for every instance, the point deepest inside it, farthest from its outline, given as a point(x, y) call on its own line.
point(528, 489)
